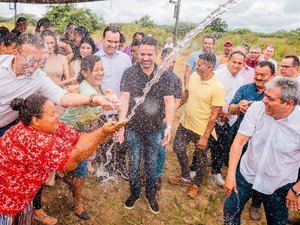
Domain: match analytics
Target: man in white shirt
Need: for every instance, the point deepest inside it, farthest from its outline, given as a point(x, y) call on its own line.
point(268, 52)
point(271, 163)
point(289, 67)
point(232, 80)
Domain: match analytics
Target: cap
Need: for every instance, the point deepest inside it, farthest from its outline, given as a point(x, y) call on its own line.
point(228, 43)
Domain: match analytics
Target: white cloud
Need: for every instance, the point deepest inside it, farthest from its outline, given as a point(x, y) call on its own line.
point(262, 16)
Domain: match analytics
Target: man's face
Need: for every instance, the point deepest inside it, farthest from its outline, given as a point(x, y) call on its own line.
point(268, 52)
point(227, 49)
point(261, 76)
point(111, 42)
point(235, 64)
point(22, 26)
point(27, 59)
point(273, 105)
point(254, 54)
point(202, 68)
point(147, 54)
point(287, 69)
point(208, 45)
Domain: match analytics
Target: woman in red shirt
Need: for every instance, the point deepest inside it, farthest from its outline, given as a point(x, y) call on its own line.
point(35, 147)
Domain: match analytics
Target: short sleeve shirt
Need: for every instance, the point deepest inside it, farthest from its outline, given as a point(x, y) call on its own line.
point(28, 156)
point(203, 95)
point(177, 86)
point(149, 115)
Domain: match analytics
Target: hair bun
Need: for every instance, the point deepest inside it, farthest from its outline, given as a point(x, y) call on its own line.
point(17, 104)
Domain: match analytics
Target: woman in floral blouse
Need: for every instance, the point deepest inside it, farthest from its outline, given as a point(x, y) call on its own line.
point(35, 147)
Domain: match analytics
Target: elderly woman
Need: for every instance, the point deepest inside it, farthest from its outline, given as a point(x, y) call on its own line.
point(35, 147)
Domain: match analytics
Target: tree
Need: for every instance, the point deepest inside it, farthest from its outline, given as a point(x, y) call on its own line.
point(145, 22)
point(218, 25)
point(62, 15)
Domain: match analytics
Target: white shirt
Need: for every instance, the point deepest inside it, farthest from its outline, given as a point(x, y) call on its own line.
point(231, 84)
point(12, 87)
point(272, 158)
point(261, 58)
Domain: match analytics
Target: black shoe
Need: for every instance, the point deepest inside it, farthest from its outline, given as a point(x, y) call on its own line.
point(130, 202)
point(153, 205)
point(123, 173)
point(84, 215)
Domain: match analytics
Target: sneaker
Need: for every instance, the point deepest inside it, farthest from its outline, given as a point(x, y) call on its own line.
point(178, 179)
point(192, 174)
point(255, 213)
point(123, 173)
point(131, 201)
point(218, 179)
point(192, 191)
point(153, 205)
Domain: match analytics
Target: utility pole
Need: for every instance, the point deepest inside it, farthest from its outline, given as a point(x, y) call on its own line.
point(176, 16)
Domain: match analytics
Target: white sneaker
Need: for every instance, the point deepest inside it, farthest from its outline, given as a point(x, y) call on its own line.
point(192, 174)
point(218, 179)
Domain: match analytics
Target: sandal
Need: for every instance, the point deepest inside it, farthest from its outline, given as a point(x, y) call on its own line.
point(46, 219)
point(83, 215)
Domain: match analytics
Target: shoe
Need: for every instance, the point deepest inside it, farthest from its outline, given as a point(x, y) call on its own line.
point(218, 179)
point(153, 205)
point(131, 201)
point(46, 219)
point(255, 213)
point(192, 174)
point(158, 184)
point(123, 173)
point(83, 215)
point(178, 179)
point(192, 191)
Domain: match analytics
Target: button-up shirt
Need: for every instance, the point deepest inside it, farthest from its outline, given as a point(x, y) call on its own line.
point(231, 84)
point(272, 158)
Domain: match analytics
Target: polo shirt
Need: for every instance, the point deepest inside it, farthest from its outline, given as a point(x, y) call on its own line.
point(149, 115)
point(272, 158)
point(177, 86)
point(202, 96)
point(12, 87)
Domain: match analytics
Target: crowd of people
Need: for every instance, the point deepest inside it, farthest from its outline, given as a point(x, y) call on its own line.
point(64, 99)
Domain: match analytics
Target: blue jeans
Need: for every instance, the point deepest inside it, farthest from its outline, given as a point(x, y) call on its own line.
point(146, 145)
point(161, 155)
point(274, 204)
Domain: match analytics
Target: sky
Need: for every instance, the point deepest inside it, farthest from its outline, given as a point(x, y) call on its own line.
point(265, 16)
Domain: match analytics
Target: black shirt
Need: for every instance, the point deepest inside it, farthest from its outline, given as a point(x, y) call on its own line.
point(177, 86)
point(149, 115)
point(16, 32)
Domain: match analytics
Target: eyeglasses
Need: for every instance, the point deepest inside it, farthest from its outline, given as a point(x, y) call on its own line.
point(30, 59)
point(285, 67)
point(254, 53)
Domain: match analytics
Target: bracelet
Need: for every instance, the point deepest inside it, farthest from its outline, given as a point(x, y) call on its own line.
point(91, 98)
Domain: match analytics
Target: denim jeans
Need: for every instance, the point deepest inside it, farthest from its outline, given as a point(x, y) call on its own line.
point(147, 146)
point(274, 204)
point(161, 155)
point(182, 138)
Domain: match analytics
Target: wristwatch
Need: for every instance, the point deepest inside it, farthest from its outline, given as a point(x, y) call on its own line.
point(295, 192)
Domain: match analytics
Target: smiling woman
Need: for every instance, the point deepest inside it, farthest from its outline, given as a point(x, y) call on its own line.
point(35, 147)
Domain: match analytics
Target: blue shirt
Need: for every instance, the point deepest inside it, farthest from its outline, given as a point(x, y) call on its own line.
point(247, 92)
point(193, 58)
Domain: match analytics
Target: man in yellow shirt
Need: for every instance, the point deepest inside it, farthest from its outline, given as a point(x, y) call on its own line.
point(204, 98)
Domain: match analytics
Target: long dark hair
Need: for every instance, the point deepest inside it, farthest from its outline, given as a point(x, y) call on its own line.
point(30, 107)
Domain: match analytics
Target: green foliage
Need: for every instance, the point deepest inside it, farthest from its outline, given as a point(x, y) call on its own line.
point(145, 21)
point(218, 25)
point(61, 15)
